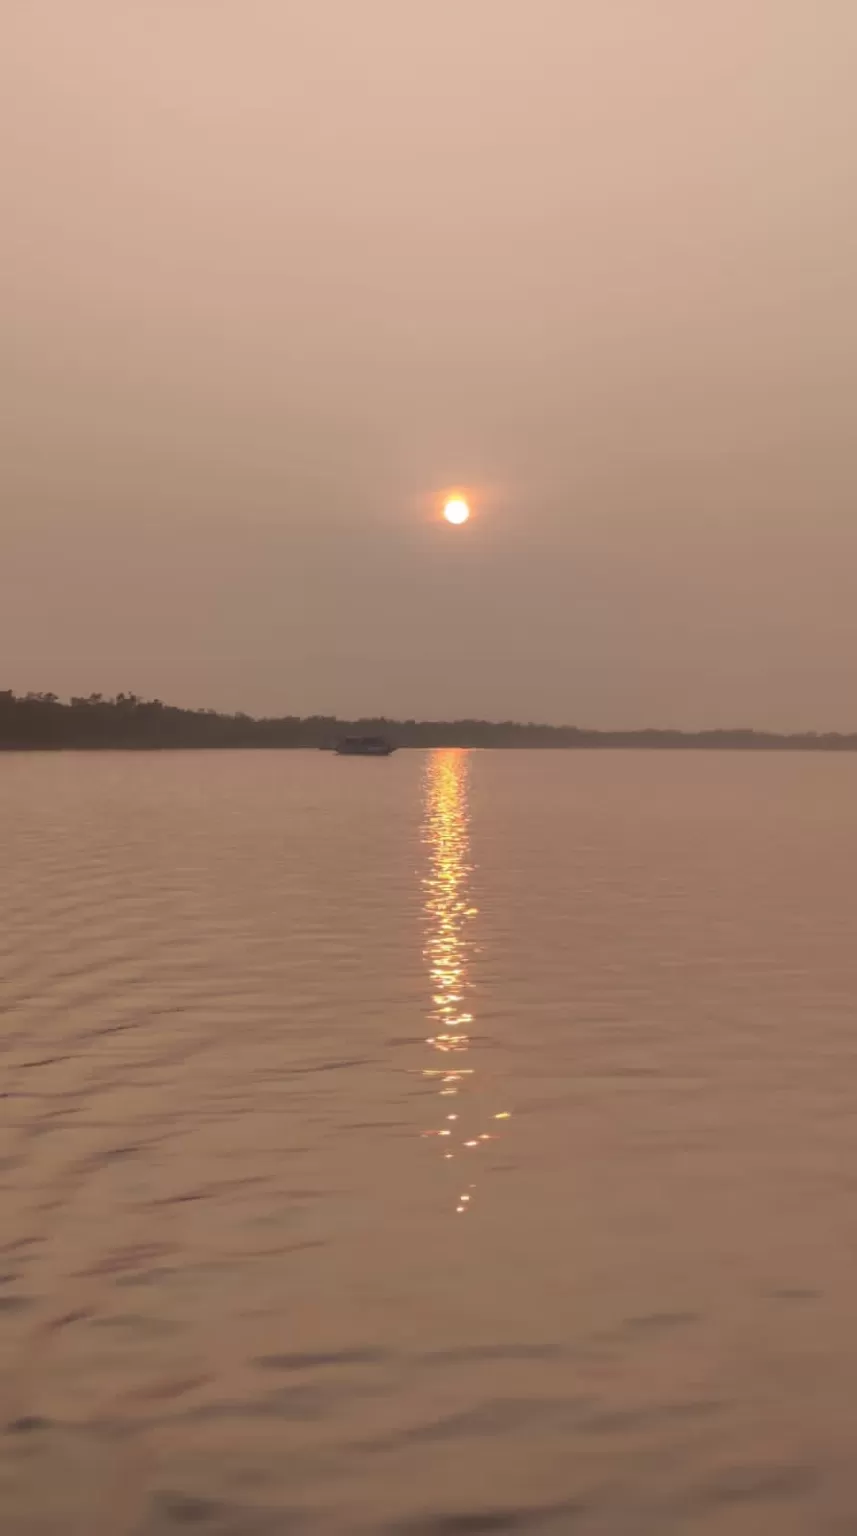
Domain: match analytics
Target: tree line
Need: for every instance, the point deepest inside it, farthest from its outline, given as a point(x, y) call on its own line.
point(44, 721)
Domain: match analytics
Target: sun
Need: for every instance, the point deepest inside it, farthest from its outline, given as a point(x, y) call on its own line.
point(456, 510)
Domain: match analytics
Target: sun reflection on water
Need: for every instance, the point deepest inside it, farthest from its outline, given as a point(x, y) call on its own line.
point(449, 946)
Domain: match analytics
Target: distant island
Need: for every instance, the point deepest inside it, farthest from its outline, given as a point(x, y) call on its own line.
point(42, 721)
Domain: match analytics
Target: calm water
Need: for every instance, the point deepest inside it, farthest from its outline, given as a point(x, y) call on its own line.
point(459, 1143)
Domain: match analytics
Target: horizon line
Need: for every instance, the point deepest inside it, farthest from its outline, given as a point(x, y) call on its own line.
point(135, 701)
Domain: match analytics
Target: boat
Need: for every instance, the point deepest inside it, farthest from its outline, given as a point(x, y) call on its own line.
point(364, 746)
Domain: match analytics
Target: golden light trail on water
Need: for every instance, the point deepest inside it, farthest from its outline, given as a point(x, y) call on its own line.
point(449, 913)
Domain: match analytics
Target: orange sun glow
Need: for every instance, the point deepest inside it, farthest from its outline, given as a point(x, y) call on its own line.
point(456, 510)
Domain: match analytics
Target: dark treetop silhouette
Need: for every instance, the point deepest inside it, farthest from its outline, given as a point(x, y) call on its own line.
point(41, 720)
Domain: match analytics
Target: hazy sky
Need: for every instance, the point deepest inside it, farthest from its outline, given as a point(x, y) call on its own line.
point(276, 272)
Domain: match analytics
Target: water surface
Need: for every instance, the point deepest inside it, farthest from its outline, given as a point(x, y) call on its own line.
point(454, 1143)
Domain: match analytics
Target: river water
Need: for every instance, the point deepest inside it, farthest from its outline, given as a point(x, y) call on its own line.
point(463, 1142)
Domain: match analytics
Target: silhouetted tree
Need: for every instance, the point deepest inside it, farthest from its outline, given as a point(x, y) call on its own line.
point(41, 721)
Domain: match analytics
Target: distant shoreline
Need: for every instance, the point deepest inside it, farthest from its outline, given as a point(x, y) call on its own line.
point(43, 722)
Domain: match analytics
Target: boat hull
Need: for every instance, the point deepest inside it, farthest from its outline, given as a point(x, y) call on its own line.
point(361, 749)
